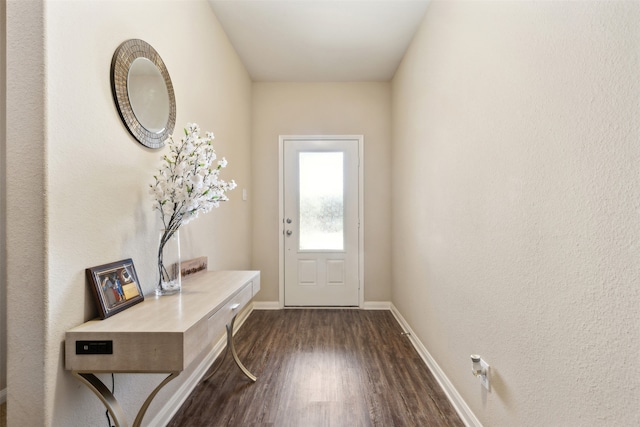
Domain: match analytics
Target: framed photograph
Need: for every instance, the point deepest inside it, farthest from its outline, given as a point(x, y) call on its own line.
point(115, 287)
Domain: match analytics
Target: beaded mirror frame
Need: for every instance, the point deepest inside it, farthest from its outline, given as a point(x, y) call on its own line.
point(124, 56)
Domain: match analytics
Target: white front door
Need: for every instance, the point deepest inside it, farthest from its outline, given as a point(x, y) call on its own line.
point(321, 220)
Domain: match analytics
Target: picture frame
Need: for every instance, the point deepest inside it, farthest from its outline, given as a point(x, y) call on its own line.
point(115, 286)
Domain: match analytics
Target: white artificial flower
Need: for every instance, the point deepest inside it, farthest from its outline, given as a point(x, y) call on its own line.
point(188, 183)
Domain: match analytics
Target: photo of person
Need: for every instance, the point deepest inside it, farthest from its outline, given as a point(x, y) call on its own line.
point(115, 286)
point(112, 289)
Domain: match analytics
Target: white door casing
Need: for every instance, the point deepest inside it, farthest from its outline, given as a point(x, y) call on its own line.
point(321, 250)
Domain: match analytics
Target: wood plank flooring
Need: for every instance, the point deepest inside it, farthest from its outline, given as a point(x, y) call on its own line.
point(320, 368)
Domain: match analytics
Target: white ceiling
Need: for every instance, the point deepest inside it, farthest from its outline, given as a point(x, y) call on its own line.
point(320, 40)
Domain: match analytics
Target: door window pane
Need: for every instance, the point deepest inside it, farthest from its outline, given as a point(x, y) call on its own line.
point(321, 201)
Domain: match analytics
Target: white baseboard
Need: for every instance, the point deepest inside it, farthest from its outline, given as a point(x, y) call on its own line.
point(376, 305)
point(266, 305)
point(168, 410)
point(368, 305)
point(3, 396)
point(461, 407)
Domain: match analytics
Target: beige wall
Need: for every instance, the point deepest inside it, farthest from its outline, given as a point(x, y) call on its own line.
point(3, 180)
point(78, 181)
point(322, 109)
point(516, 187)
point(25, 205)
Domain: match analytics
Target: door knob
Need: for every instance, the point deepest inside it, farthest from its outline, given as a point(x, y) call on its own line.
point(288, 220)
point(289, 232)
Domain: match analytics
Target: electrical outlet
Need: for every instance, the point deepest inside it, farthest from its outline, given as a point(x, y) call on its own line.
point(484, 379)
point(94, 347)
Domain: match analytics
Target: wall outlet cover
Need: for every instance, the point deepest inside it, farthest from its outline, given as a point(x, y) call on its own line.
point(484, 379)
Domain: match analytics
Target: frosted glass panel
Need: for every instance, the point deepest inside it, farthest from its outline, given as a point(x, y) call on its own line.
point(321, 201)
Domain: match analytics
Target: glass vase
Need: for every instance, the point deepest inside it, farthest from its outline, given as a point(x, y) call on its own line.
point(168, 277)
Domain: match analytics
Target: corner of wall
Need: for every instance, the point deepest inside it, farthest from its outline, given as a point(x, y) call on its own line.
point(26, 227)
point(3, 212)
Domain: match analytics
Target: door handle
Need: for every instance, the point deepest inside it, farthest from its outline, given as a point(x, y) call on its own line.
point(288, 220)
point(289, 232)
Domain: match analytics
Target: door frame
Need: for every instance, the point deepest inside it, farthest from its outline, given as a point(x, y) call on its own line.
point(360, 140)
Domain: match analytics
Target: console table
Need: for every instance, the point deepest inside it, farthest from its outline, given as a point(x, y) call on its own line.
point(160, 335)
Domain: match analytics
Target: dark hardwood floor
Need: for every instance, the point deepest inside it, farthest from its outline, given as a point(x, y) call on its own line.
point(320, 368)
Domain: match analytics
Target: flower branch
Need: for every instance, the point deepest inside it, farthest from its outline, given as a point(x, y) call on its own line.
point(188, 183)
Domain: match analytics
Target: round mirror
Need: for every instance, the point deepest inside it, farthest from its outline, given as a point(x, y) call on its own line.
point(143, 92)
point(148, 95)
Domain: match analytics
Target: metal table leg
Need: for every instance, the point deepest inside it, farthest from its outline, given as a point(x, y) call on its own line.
point(236, 359)
point(110, 401)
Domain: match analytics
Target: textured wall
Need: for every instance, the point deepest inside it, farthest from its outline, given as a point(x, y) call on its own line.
point(76, 169)
point(26, 219)
point(322, 109)
point(516, 191)
point(3, 180)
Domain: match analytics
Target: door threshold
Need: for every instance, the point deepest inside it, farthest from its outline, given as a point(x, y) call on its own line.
point(321, 307)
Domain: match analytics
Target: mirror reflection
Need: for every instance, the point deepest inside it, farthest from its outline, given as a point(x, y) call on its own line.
point(148, 95)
